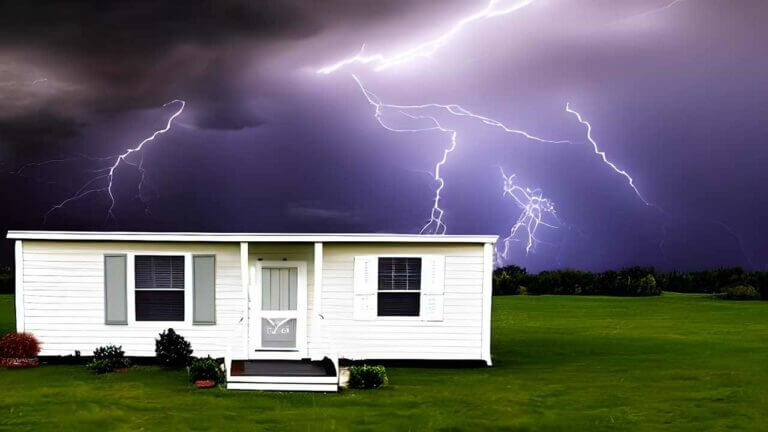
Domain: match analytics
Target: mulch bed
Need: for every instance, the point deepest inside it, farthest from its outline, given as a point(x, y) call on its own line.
point(18, 363)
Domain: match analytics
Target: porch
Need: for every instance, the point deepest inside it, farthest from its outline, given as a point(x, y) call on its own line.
point(270, 347)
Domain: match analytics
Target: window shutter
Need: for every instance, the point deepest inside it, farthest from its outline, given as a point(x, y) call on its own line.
point(115, 297)
point(204, 289)
point(365, 285)
point(432, 287)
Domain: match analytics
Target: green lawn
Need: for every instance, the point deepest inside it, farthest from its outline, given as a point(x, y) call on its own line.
point(672, 363)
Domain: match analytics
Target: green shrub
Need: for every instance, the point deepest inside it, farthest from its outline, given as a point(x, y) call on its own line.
point(205, 368)
point(172, 350)
point(507, 280)
point(742, 292)
point(646, 286)
point(367, 377)
point(109, 352)
point(100, 366)
point(107, 359)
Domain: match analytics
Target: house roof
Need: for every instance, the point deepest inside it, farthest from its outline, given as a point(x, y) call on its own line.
point(247, 237)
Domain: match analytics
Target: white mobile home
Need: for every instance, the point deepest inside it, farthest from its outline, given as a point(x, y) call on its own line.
point(282, 309)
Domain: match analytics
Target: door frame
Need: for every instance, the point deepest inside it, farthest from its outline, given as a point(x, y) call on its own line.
point(255, 350)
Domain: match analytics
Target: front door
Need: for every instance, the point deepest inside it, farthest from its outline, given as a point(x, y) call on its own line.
point(278, 307)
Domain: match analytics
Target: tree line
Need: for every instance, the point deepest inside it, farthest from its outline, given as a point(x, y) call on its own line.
point(630, 281)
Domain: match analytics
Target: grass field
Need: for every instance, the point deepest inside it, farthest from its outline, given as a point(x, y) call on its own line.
point(672, 363)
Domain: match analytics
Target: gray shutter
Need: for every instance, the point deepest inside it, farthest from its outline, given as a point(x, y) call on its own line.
point(204, 289)
point(115, 297)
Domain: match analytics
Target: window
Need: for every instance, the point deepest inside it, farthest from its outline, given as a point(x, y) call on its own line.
point(159, 288)
point(399, 286)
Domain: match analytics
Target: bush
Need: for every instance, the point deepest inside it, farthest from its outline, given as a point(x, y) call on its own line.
point(759, 280)
point(507, 280)
point(100, 366)
point(19, 345)
point(742, 292)
point(205, 369)
point(172, 349)
point(109, 352)
point(367, 377)
point(646, 286)
point(107, 359)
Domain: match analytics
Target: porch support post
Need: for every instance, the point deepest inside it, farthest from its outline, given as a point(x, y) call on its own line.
point(487, 301)
point(318, 329)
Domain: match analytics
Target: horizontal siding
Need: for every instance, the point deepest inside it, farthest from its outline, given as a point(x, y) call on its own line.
point(64, 301)
point(458, 336)
point(64, 298)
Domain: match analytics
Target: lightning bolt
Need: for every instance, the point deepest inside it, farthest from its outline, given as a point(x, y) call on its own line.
point(107, 174)
point(535, 207)
point(631, 183)
point(380, 61)
point(436, 225)
point(602, 154)
point(535, 212)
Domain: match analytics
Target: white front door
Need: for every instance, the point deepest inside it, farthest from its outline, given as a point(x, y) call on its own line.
point(277, 317)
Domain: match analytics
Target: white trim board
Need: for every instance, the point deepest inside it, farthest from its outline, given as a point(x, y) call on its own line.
point(246, 237)
point(19, 258)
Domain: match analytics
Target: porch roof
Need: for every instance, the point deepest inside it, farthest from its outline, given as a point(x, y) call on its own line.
point(247, 237)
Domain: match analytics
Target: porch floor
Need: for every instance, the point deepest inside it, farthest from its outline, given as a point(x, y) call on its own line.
point(283, 368)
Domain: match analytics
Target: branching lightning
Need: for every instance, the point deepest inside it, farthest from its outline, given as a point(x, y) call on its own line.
point(436, 224)
point(104, 181)
point(536, 211)
point(602, 154)
point(380, 61)
point(534, 206)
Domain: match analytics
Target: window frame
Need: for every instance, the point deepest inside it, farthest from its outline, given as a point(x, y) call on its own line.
point(416, 317)
point(188, 299)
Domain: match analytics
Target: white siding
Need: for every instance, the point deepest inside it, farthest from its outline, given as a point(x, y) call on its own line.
point(63, 301)
point(64, 298)
point(457, 336)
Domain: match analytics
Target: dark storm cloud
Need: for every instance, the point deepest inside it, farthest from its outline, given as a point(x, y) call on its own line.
point(115, 29)
point(38, 129)
point(134, 55)
point(140, 54)
point(676, 96)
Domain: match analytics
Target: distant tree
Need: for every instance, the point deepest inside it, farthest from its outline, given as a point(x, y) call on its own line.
point(507, 280)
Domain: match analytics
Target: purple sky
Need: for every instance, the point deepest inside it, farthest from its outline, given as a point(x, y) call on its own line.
point(677, 96)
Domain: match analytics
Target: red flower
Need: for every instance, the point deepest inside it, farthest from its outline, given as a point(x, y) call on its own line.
point(205, 383)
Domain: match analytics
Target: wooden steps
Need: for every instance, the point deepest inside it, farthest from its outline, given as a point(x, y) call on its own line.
point(283, 375)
